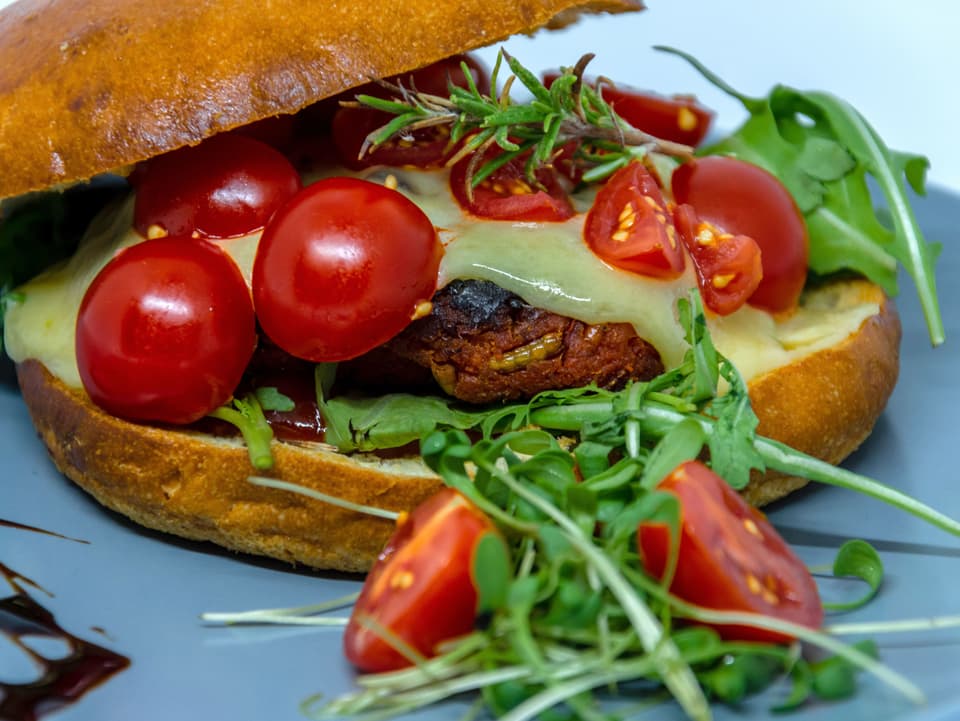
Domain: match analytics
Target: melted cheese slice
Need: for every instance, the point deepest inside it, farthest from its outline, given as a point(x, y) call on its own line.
point(547, 264)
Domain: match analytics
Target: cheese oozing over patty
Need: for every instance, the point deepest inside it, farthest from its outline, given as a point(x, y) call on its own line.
point(547, 264)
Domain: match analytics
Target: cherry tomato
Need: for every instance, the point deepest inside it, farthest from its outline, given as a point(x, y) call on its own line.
point(342, 268)
point(165, 331)
point(506, 194)
point(728, 266)
point(423, 148)
point(630, 227)
point(731, 558)
point(276, 131)
point(421, 589)
point(426, 148)
point(742, 199)
point(679, 118)
point(225, 187)
point(434, 79)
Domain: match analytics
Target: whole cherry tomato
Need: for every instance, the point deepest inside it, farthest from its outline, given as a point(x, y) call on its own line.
point(630, 227)
point(507, 194)
point(421, 589)
point(739, 198)
point(165, 331)
point(728, 266)
point(679, 118)
point(422, 148)
point(731, 558)
point(225, 187)
point(343, 267)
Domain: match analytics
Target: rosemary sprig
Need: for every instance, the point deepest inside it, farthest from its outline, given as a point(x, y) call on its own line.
point(570, 110)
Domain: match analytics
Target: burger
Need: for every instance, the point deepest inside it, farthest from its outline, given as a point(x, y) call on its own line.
point(468, 272)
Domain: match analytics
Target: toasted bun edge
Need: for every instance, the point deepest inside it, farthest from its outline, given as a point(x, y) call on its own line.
point(196, 486)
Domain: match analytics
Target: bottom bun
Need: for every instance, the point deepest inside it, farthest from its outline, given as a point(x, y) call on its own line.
point(195, 485)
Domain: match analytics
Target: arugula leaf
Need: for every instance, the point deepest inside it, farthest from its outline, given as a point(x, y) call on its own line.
point(391, 421)
point(824, 150)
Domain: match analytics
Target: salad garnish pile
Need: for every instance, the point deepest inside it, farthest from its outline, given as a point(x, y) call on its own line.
point(577, 576)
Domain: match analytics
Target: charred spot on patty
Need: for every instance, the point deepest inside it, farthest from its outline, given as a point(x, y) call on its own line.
point(481, 344)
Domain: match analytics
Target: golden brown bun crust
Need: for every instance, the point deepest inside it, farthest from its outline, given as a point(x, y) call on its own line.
point(88, 86)
point(198, 489)
point(824, 404)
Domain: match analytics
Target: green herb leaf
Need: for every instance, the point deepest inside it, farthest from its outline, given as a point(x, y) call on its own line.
point(835, 678)
point(270, 399)
point(246, 415)
point(823, 149)
point(858, 559)
point(491, 573)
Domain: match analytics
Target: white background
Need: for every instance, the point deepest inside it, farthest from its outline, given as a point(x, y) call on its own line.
point(898, 63)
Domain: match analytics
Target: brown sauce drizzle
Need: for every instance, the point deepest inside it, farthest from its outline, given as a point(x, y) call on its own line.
point(34, 529)
point(62, 681)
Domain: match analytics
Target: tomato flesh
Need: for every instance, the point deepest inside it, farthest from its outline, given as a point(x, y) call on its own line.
point(630, 227)
point(225, 187)
point(507, 194)
point(421, 589)
point(739, 198)
point(728, 267)
point(342, 268)
point(731, 558)
point(165, 331)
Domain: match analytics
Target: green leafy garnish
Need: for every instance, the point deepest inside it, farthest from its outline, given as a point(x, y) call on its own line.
point(246, 414)
point(858, 559)
point(824, 150)
point(569, 110)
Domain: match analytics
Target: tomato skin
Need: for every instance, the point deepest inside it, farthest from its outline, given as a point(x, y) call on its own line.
point(426, 148)
point(630, 227)
point(226, 187)
point(429, 148)
point(743, 199)
point(731, 558)
point(165, 331)
point(728, 267)
point(679, 118)
point(421, 588)
point(506, 194)
point(342, 268)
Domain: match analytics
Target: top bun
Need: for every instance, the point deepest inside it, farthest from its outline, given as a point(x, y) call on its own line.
point(89, 86)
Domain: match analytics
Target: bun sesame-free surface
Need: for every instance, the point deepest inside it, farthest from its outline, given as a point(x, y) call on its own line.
point(91, 86)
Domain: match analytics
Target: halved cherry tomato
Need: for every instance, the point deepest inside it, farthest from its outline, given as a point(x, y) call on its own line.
point(421, 589)
point(225, 187)
point(426, 148)
point(342, 268)
point(728, 266)
point(742, 199)
point(506, 194)
point(731, 558)
point(679, 118)
point(423, 148)
point(165, 331)
point(630, 227)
